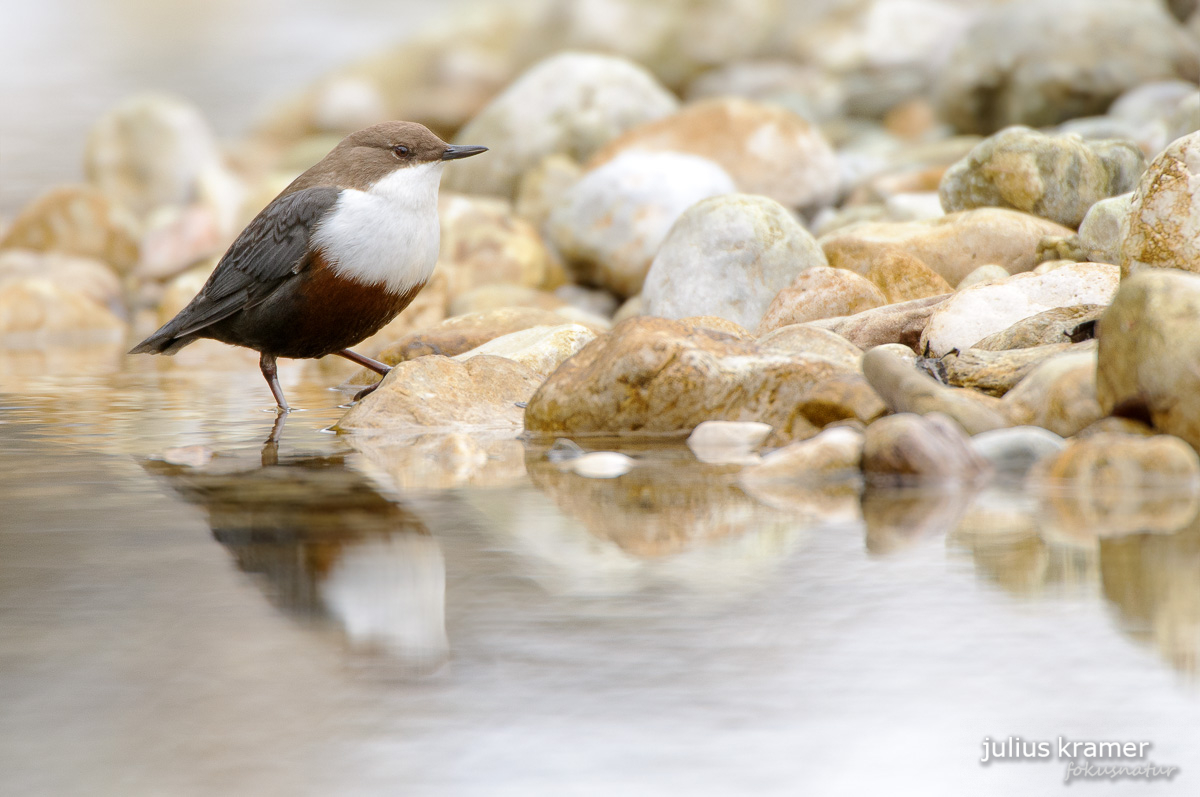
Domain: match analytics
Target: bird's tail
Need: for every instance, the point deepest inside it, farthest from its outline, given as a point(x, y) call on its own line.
point(164, 341)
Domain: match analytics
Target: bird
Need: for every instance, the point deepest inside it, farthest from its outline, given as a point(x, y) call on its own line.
point(336, 256)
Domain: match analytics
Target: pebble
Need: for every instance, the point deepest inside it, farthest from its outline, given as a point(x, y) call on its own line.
point(909, 447)
point(500, 295)
point(905, 389)
point(835, 452)
point(807, 339)
point(1014, 451)
point(1059, 394)
point(820, 292)
point(901, 323)
point(540, 349)
point(485, 243)
point(983, 275)
point(1056, 326)
point(76, 220)
point(1162, 229)
point(902, 277)
point(602, 465)
point(718, 442)
point(996, 372)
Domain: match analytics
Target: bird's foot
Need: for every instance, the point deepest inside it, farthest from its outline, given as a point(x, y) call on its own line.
point(368, 390)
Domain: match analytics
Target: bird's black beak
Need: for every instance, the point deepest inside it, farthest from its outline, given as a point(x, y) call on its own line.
point(453, 153)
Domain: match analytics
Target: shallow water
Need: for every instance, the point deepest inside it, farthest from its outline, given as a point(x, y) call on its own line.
point(416, 618)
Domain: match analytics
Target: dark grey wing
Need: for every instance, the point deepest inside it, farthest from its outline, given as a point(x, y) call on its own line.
point(270, 250)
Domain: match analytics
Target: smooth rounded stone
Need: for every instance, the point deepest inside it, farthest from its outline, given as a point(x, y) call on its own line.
point(832, 453)
point(717, 324)
point(953, 245)
point(905, 389)
point(1099, 237)
point(1162, 229)
point(151, 151)
point(653, 376)
point(806, 339)
point(1149, 354)
point(76, 220)
point(1059, 325)
point(564, 450)
point(1055, 177)
point(611, 223)
point(766, 149)
point(1186, 118)
point(177, 238)
point(445, 393)
point(720, 442)
point(632, 307)
point(932, 447)
point(804, 90)
point(1156, 99)
point(1037, 63)
point(570, 103)
point(820, 292)
point(997, 372)
point(540, 349)
point(728, 256)
point(592, 300)
point(494, 297)
point(1015, 450)
point(35, 311)
point(92, 278)
point(1058, 395)
point(971, 315)
point(1113, 423)
point(485, 243)
point(543, 187)
point(602, 465)
point(901, 323)
point(983, 275)
point(181, 290)
point(903, 277)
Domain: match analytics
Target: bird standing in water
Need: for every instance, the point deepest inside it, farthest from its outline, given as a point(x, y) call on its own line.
point(336, 256)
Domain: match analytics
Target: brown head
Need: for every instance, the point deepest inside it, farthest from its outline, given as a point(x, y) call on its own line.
point(361, 159)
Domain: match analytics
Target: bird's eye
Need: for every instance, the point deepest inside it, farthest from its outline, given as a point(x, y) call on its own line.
point(400, 151)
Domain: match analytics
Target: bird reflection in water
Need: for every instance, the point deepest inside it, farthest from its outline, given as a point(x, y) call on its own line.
point(326, 545)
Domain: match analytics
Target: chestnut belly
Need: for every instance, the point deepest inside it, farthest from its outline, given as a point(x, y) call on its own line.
point(313, 314)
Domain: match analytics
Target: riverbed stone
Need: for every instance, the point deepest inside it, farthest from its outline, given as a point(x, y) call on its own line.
point(953, 245)
point(656, 376)
point(1057, 325)
point(76, 220)
point(989, 272)
point(570, 103)
point(820, 292)
point(728, 442)
point(35, 311)
point(810, 92)
point(904, 389)
point(902, 277)
point(1149, 355)
point(972, 314)
point(1036, 63)
point(911, 447)
point(766, 149)
point(1162, 229)
point(996, 372)
point(1013, 451)
point(808, 339)
point(485, 243)
point(1059, 394)
point(540, 349)
point(728, 256)
point(1099, 237)
point(610, 224)
point(88, 276)
point(494, 297)
point(542, 188)
point(1055, 177)
point(1106, 464)
point(901, 323)
point(834, 453)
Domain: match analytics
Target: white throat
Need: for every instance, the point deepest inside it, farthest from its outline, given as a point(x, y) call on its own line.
point(387, 235)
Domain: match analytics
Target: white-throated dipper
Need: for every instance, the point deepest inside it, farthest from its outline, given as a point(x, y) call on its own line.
point(336, 256)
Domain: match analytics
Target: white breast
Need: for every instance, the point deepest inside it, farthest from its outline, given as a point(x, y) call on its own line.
point(389, 234)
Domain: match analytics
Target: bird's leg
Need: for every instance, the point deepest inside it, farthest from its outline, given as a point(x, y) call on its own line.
point(365, 362)
point(267, 363)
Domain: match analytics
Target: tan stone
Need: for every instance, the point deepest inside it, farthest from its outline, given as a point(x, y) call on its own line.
point(914, 447)
point(35, 311)
point(835, 452)
point(495, 297)
point(1162, 229)
point(485, 243)
point(806, 339)
point(989, 272)
point(903, 277)
point(1054, 326)
point(894, 323)
point(540, 349)
point(76, 220)
point(717, 324)
point(905, 389)
point(996, 372)
point(1059, 394)
point(542, 188)
point(92, 278)
point(820, 292)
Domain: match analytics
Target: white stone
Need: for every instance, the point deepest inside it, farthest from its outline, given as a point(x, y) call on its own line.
point(541, 349)
point(1015, 450)
point(1162, 229)
point(717, 442)
point(602, 465)
point(833, 451)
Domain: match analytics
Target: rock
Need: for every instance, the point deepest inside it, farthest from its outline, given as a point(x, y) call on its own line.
point(718, 442)
point(953, 245)
point(496, 297)
point(591, 300)
point(983, 275)
point(92, 278)
point(904, 389)
point(151, 151)
point(766, 149)
point(1113, 423)
point(178, 238)
point(972, 314)
point(805, 91)
point(1058, 395)
point(835, 452)
point(540, 349)
point(907, 447)
point(181, 290)
point(899, 517)
point(631, 308)
point(35, 312)
point(806, 339)
point(996, 372)
point(1183, 121)
point(1149, 356)
point(820, 292)
point(901, 323)
point(728, 256)
point(652, 376)
point(1162, 229)
point(570, 103)
point(602, 465)
point(718, 324)
point(1055, 177)
point(1038, 63)
point(485, 243)
point(441, 392)
point(1015, 450)
point(543, 187)
point(76, 220)
point(610, 224)
point(903, 277)
point(1100, 233)
point(1060, 325)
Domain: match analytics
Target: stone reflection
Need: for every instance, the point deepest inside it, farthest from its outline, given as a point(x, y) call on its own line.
point(898, 518)
point(439, 461)
point(1154, 581)
point(325, 544)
